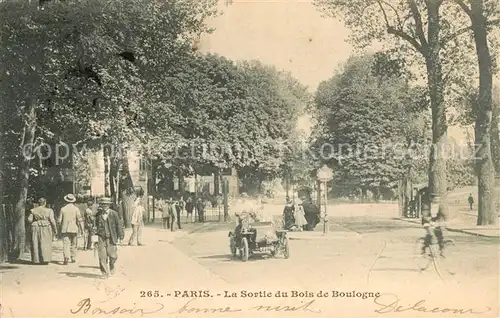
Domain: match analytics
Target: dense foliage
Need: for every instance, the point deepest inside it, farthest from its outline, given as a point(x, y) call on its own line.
point(373, 125)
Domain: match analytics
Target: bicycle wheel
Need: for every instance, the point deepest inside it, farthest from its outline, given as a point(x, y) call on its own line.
point(423, 259)
point(448, 262)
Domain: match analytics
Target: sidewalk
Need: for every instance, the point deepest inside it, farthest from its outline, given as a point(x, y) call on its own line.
point(157, 265)
point(466, 228)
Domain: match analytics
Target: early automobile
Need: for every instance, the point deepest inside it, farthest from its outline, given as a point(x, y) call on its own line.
point(243, 241)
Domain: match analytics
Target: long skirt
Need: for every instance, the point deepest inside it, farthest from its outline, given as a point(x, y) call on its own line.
point(41, 244)
point(289, 220)
point(300, 220)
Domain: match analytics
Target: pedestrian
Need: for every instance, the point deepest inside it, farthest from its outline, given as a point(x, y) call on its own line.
point(171, 214)
point(182, 204)
point(89, 224)
point(189, 209)
point(165, 206)
point(471, 202)
point(178, 211)
point(43, 230)
point(137, 223)
point(312, 214)
point(71, 225)
point(299, 215)
point(109, 232)
point(288, 212)
point(200, 210)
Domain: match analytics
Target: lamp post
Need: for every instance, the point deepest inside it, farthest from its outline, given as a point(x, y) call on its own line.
point(325, 174)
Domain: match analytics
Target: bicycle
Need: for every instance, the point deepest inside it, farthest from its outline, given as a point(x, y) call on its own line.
point(432, 255)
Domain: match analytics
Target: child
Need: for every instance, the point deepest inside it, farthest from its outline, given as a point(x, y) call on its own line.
point(299, 216)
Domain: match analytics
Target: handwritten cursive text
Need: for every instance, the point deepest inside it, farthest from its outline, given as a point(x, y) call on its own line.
point(390, 303)
point(190, 308)
point(85, 306)
point(187, 309)
point(302, 307)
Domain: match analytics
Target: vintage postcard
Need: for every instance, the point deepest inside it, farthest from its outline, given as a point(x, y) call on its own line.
point(249, 158)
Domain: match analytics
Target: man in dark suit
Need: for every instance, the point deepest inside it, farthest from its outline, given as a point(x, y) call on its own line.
point(312, 214)
point(200, 209)
point(109, 231)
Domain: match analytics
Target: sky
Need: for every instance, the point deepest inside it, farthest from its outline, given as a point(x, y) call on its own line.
point(289, 34)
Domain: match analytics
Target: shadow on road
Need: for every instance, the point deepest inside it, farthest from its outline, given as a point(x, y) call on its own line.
point(228, 258)
point(220, 257)
point(83, 275)
point(8, 267)
point(21, 262)
point(89, 266)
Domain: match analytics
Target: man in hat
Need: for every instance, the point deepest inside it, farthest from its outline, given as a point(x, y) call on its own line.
point(109, 231)
point(71, 224)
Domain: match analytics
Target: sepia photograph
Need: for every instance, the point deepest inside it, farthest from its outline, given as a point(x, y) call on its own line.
point(249, 158)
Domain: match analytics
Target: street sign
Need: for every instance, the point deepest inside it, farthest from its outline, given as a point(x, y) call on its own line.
point(324, 174)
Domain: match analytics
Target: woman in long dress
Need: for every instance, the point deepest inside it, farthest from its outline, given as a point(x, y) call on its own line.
point(43, 228)
point(299, 215)
point(288, 211)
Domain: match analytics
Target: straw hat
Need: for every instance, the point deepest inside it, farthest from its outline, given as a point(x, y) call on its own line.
point(70, 198)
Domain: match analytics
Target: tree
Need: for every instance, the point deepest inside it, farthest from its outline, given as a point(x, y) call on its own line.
point(275, 102)
point(227, 115)
point(495, 133)
point(370, 122)
point(480, 13)
point(426, 38)
point(88, 66)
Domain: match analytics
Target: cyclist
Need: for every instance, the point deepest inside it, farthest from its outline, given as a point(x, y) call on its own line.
point(433, 223)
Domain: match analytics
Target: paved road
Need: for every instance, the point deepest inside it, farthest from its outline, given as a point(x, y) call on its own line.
point(353, 262)
point(199, 261)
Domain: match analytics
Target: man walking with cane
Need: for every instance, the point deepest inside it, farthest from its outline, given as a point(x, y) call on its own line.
point(109, 231)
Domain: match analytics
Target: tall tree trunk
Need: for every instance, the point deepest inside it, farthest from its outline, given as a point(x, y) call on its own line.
point(404, 193)
point(180, 177)
point(217, 182)
point(318, 193)
point(126, 189)
point(226, 199)
point(3, 234)
point(484, 163)
point(437, 161)
point(364, 194)
point(107, 190)
point(114, 178)
point(26, 153)
point(495, 137)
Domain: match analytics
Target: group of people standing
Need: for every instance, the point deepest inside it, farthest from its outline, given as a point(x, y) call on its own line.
point(172, 210)
point(301, 216)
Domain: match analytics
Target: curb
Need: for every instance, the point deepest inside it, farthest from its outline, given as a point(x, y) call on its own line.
point(472, 233)
point(329, 236)
point(463, 231)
